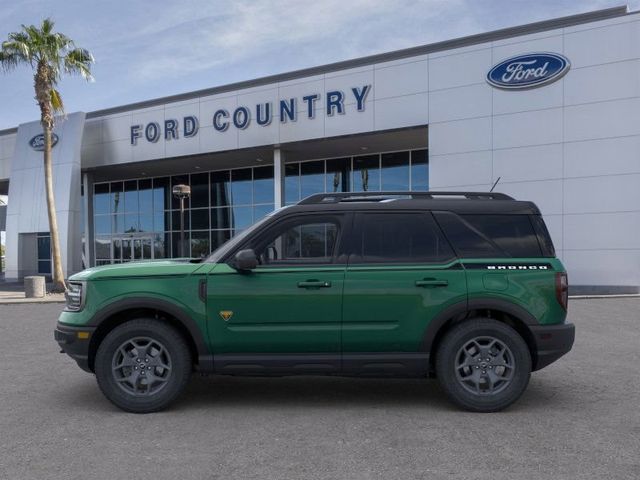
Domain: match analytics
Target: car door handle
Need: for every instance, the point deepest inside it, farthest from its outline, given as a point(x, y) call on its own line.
point(431, 282)
point(314, 284)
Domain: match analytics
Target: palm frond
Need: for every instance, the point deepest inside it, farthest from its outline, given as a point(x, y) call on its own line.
point(78, 61)
point(56, 101)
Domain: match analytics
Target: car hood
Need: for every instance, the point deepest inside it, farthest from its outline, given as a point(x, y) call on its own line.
point(140, 269)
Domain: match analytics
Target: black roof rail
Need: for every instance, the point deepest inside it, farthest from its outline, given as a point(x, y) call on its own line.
point(386, 196)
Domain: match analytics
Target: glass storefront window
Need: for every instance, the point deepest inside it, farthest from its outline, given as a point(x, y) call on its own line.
point(199, 190)
point(101, 199)
point(338, 170)
point(161, 194)
point(292, 183)
point(311, 178)
point(420, 170)
point(395, 171)
point(366, 173)
point(263, 186)
point(200, 218)
point(220, 189)
point(241, 188)
point(117, 197)
point(140, 219)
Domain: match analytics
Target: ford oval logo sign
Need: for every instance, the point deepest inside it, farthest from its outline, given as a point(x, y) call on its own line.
point(528, 71)
point(37, 142)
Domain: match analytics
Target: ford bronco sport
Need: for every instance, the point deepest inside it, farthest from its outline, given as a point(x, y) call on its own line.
point(461, 286)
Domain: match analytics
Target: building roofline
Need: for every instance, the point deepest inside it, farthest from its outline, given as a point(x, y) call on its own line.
point(503, 33)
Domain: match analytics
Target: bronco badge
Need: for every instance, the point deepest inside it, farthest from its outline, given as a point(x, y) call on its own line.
point(226, 314)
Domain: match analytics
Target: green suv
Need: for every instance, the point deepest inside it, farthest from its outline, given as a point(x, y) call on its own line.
point(461, 286)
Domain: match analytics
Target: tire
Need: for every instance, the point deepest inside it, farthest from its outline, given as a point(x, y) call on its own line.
point(483, 365)
point(143, 365)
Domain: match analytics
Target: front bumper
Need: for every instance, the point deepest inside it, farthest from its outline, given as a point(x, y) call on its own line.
point(552, 342)
point(75, 341)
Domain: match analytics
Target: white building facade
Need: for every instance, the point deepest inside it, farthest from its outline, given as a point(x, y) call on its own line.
point(565, 135)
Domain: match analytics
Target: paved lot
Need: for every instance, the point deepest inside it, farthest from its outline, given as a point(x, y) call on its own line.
point(580, 418)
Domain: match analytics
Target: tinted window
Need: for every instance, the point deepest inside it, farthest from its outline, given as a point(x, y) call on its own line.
point(400, 238)
point(310, 240)
point(484, 236)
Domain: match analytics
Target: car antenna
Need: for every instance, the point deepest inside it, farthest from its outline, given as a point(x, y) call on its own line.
point(494, 185)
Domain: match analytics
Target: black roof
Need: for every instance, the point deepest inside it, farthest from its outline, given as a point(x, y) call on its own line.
point(458, 202)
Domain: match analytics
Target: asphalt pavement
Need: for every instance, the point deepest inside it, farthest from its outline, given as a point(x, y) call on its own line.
point(579, 419)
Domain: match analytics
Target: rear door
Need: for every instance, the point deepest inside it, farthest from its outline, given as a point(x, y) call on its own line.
point(402, 272)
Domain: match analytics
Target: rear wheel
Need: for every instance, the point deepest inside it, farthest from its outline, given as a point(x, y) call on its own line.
point(483, 365)
point(143, 365)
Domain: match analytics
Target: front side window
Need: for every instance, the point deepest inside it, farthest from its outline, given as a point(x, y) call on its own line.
point(302, 241)
point(399, 238)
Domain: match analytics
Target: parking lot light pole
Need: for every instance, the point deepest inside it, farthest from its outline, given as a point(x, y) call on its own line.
point(181, 192)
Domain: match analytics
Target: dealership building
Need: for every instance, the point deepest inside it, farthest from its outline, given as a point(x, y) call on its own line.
point(549, 110)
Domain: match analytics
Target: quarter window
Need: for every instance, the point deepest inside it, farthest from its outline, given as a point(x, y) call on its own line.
point(400, 238)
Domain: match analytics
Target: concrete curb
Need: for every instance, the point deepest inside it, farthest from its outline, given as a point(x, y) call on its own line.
point(54, 298)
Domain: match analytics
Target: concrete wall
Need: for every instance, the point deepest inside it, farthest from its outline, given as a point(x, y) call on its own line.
point(27, 208)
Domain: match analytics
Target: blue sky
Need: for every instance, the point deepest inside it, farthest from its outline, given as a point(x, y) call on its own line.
point(148, 49)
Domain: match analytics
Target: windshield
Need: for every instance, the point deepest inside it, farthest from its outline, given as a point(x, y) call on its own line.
point(230, 244)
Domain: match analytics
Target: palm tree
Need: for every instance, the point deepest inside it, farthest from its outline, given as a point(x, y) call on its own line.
point(50, 55)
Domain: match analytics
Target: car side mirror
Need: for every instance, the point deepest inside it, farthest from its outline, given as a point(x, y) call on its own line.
point(245, 260)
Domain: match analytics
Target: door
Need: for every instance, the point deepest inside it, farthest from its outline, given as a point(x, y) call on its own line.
point(402, 272)
point(291, 303)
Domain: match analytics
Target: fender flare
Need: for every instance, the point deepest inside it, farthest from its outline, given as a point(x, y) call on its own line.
point(474, 304)
point(205, 359)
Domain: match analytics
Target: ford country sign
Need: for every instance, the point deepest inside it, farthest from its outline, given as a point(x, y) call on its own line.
point(528, 71)
point(37, 142)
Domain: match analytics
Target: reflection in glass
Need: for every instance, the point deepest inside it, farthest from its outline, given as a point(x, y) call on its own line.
point(395, 171)
point(145, 195)
point(116, 197)
point(420, 170)
point(220, 218)
point(241, 191)
point(161, 194)
point(200, 219)
point(220, 189)
point(101, 198)
point(260, 211)
point(242, 217)
point(366, 173)
point(199, 244)
point(130, 223)
point(103, 247)
point(131, 196)
point(338, 170)
point(292, 183)
point(218, 237)
point(145, 222)
point(175, 220)
point(263, 185)
point(199, 190)
point(311, 178)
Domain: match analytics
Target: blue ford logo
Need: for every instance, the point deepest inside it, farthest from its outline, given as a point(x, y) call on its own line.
point(528, 71)
point(37, 142)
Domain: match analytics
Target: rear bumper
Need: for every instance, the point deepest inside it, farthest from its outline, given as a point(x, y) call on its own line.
point(552, 342)
point(74, 345)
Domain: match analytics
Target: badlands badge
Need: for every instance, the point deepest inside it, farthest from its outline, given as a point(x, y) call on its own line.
point(226, 314)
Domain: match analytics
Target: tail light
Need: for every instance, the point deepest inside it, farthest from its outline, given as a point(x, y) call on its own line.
point(562, 289)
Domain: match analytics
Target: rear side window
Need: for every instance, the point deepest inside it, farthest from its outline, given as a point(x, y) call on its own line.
point(399, 238)
point(491, 235)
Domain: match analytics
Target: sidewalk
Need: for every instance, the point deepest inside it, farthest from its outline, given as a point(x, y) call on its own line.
point(14, 293)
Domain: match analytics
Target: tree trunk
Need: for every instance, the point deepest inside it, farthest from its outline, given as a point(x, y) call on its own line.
point(58, 277)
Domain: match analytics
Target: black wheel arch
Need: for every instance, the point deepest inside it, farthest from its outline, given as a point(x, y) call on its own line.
point(126, 309)
point(502, 310)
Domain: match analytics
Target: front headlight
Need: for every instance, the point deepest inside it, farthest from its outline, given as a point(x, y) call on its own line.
point(75, 296)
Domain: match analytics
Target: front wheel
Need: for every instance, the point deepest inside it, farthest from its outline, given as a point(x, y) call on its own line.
point(143, 365)
point(483, 365)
